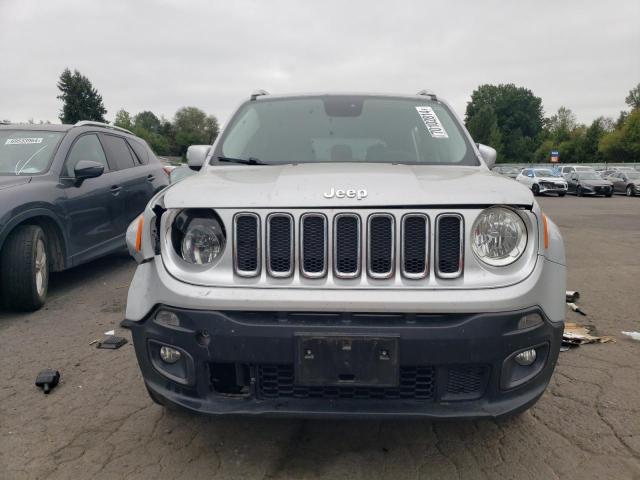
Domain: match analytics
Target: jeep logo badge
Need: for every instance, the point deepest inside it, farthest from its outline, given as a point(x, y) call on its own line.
point(351, 193)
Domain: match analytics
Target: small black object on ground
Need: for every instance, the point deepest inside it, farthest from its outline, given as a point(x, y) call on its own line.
point(112, 342)
point(47, 380)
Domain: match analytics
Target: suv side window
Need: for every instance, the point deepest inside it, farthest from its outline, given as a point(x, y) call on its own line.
point(119, 153)
point(86, 147)
point(140, 149)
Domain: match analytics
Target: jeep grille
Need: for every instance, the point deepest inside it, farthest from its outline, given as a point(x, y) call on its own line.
point(313, 241)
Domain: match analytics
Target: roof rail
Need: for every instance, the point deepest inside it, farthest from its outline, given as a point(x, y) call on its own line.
point(427, 93)
point(90, 123)
point(258, 93)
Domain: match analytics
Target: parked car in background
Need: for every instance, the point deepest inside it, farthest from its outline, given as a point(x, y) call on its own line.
point(627, 182)
point(511, 172)
point(67, 196)
point(566, 170)
point(589, 183)
point(542, 180)
point(180, 173)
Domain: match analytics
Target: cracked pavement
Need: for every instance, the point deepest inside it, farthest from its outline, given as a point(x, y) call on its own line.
point(99, 422)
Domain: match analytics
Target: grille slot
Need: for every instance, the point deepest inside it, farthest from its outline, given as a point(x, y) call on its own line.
point(313, 245)
point(381, 246)
point(449, 245)
point(346, 244)
point(415, 245)
point(277, 381)
point(466, 382)
point(280, 244)
point(247, 244)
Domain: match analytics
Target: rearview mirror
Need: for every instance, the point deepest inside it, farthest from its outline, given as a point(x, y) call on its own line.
point(196, 155)
point(488, 154)
point(87, 169)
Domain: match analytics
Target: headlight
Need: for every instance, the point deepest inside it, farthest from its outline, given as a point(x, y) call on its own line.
point(198, 236)
point(498, 236)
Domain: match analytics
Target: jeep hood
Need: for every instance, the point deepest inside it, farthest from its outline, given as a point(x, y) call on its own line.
point(12, 181)
point(304, 185)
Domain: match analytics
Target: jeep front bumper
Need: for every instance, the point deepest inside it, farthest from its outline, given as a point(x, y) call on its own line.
point(240, 347)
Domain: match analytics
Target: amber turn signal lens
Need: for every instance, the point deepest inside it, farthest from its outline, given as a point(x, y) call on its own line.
point(139, 233)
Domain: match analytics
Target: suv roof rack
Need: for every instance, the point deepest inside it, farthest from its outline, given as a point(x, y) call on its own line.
point(258, 93)
point(428, 93)
point(91, 123)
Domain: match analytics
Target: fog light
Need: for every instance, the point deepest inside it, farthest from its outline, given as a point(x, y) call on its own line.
point(530, 320)
point(170, 355)
point(167, 319)
point(526, 358)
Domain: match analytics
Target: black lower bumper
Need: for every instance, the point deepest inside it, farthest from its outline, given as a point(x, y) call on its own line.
point(448, 366)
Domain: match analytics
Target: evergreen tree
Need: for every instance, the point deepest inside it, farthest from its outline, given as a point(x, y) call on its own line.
point(80, 101)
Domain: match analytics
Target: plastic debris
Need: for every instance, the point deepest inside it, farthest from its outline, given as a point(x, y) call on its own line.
point(575, 334)
point(47, 380)
point(110, 332)
point(572, 296)
point(576, 308)
point(632, 335)
point(112, 342)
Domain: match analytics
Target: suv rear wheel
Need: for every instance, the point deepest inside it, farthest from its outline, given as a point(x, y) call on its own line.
point(25, 268)
point(536, 189)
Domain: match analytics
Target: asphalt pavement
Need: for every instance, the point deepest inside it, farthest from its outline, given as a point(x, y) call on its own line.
point(99, 422)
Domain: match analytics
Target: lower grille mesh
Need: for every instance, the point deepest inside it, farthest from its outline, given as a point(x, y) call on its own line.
point(277, 381)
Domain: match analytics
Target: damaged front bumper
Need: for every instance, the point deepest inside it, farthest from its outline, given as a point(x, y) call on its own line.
point(448, 365)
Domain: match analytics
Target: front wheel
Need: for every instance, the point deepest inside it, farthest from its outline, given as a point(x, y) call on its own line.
point(25, 268)
point(536, 189)
point(629, 191)
point(579, 191)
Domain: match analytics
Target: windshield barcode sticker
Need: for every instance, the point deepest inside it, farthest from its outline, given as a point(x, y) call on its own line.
point(432, 122)
point(23, 141)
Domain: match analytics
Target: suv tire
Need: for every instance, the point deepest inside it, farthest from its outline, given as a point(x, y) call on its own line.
point(536, 189)
point(629, 191)
point(25, 268)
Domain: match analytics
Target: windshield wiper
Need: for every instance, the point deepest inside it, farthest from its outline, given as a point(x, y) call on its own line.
point(243, 161)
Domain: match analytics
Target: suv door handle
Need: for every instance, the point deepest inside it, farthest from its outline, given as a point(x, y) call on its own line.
point(151, 177)
point(115, 189)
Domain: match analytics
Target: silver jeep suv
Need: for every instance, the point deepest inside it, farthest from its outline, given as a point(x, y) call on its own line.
point(346, 255)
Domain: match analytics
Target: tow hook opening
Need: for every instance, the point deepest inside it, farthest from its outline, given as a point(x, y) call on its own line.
point(231, 378)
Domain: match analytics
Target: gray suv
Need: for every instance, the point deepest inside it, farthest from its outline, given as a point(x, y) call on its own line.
point(346, 255)
point(67, 196)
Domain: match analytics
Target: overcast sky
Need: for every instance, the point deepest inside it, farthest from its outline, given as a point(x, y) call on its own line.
point(162, 55)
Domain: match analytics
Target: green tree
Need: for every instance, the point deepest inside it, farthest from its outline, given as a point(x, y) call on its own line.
point(633, 99)
point(562, 124)
point(80, 101)
point(483, 127)
point(519, 118)
point(123, 119)
point(192, 127)
point(148, 121)
point(623, 144)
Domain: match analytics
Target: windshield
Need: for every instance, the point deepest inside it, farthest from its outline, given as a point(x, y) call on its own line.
point(345, 128)
point(544, 172)
point(632, 175)
point(26, 152)
point(589, 176)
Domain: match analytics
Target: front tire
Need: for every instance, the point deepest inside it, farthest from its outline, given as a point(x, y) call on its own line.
point(536, 189)
point(579, 191)
point(629, 191)
point(25, 268)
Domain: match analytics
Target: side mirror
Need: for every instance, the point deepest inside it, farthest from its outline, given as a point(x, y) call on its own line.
point(87, 169)
point(196, 155)
point(488, 155)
